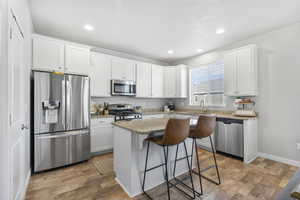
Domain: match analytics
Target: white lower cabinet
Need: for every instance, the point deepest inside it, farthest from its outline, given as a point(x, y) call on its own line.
point(101, 134)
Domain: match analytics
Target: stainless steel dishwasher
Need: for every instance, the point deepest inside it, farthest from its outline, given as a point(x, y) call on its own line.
point(229, 136)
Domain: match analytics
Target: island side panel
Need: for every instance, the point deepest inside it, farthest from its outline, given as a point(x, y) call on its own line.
point(122, 157)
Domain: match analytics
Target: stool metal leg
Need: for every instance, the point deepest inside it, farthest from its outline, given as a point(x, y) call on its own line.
point(166, 164)
point(216, 166)
point(198, 164)
point(190, 170)
point(175, 160)
point(214, 154)
point(179, 181)
point(145, 171)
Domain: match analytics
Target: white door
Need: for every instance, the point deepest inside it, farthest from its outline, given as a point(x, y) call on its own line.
point(48, 54)
point(143, 80)
point(230, 80)
point(122, 69)
point(157, 81)
point(100, 75)
point(18, 80)
point(77, 59)
point(170, 75)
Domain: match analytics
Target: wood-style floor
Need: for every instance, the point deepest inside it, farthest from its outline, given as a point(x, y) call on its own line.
point(94, 179)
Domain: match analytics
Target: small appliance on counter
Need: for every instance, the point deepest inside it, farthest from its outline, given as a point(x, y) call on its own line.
point(138, 109)
point(244, 107)
point(169, 107)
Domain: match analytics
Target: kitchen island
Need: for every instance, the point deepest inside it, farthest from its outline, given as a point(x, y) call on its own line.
point(130, 154)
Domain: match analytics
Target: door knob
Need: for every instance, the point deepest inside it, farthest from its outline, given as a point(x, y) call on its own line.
point(24, 127)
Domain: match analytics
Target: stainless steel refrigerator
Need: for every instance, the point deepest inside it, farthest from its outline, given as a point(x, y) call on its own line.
point(60, 120)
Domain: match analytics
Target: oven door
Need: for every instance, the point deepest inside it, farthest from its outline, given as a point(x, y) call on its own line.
point(123, 88)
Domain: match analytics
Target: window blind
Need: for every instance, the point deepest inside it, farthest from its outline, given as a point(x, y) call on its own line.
point(207, 84)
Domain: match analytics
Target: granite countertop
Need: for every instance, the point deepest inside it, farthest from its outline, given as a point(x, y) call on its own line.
point(219, 114)
point(145, 126)
point(96, 116)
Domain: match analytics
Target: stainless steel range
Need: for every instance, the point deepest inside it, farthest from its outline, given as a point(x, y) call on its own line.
point(124, 112)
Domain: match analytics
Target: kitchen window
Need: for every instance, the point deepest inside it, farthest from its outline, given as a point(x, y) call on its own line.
point(207, 84)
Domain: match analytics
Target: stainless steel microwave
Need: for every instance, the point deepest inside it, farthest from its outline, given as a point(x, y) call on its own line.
point(123, 88)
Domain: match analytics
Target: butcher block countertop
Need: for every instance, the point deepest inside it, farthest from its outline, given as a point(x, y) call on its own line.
point(145, 126)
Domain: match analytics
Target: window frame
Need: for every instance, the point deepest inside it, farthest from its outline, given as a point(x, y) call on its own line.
point(204, 93)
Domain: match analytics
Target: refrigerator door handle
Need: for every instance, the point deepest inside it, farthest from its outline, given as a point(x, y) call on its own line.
point(68, 103)
point(71, 133)
point(63, 106)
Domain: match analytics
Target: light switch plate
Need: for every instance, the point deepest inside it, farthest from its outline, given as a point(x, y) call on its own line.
point(298, 146)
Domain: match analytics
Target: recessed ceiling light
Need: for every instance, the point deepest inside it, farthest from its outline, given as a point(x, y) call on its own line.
point(220, 31)
point(88, 27)
point(199, 50)
point(170, 52)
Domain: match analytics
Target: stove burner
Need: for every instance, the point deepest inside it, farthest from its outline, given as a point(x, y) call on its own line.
point(122, 115)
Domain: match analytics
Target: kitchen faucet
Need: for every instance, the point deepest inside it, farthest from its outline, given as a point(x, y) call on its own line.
point(202, 105)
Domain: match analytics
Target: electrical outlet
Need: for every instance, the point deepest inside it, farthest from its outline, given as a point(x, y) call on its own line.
point(298, 146)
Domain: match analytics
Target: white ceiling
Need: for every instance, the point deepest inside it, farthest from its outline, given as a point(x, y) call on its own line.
point(150, 28)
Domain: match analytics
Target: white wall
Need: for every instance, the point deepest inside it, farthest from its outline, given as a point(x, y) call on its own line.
point(279, 88)
point(21, 10)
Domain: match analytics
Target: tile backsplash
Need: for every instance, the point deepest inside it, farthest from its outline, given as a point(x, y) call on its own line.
point(146, 103)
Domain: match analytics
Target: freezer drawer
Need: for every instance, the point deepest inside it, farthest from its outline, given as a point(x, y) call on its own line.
point(230, 137)
point(57, 150)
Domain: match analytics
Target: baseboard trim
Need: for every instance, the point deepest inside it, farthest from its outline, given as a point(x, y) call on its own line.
point(124, 188)
point(279, 159)
point(24, 190)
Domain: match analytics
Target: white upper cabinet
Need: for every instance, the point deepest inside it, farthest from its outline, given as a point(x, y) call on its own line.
point(100, 74)
point(182, 81)
point(77, 59)
point(143, 80)
point(230, 81)
point(157, 81)
point(240, 73)
point(123, 69)
point(48, 54)
point(170, 82)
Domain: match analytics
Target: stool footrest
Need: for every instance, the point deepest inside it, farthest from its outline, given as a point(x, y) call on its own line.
point(175, 186)
point(178, 181)
point(208, 179)
point(155, 167)
point(178, 159)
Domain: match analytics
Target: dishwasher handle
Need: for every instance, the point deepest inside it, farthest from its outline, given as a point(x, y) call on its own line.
point(230, 121)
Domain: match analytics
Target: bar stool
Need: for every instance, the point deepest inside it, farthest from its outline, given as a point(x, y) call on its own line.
point(205, 128)
point(176, 132)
